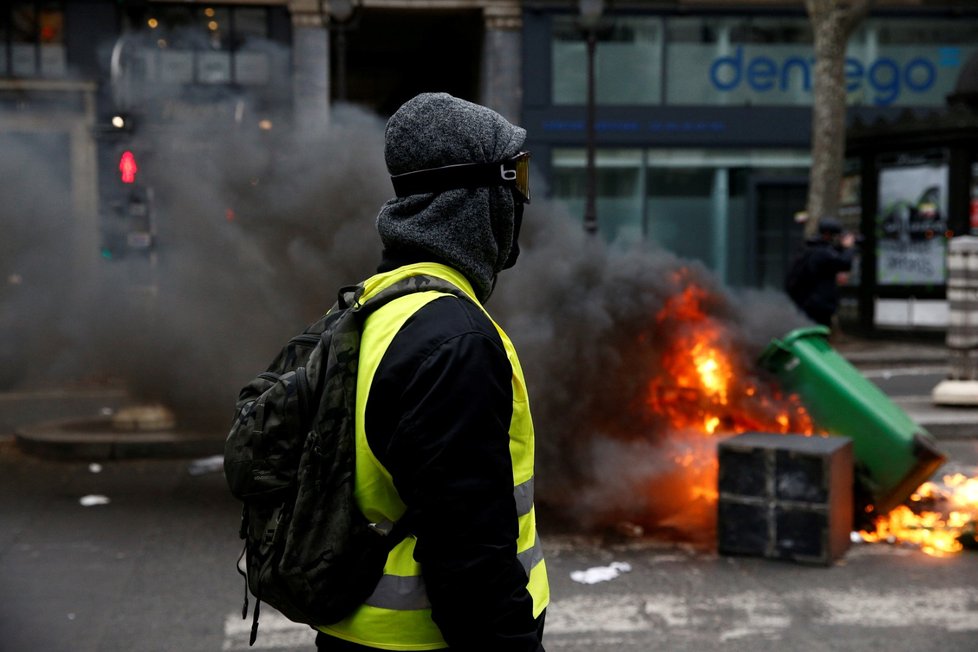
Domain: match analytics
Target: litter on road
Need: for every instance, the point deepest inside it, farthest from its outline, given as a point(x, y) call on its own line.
point(93, 499)
point(204, 465)
point(601, 573)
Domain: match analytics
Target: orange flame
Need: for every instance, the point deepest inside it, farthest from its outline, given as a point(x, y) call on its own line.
point(706, 388)
point(940, 518)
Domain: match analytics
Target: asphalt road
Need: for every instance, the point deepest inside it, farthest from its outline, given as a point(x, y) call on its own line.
point(907, 381)
point(153, 569)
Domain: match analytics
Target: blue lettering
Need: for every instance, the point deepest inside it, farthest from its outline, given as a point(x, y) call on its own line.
point(854, 74)
point(885, 76)
point(761, 73)
point(888, 83)
point(736, 62)
point(803, 66)
point(929, 74)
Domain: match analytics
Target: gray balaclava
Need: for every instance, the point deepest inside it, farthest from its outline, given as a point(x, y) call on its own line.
point(470, 229)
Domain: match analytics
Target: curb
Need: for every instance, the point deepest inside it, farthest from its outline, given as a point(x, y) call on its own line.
point(943, 422)
point(85, 439)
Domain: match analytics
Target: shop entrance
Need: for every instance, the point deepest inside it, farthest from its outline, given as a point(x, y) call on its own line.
point(778, 236)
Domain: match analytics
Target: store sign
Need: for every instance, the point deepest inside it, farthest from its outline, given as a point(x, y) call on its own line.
point(883, 79)
point(784, 74)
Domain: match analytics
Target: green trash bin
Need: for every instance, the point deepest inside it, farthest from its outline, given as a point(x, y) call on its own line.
point(893, 454)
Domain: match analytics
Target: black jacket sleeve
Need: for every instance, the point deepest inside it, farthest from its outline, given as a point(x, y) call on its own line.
point(438, 418)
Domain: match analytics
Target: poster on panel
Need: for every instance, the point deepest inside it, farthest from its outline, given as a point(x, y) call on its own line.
point(911, 219)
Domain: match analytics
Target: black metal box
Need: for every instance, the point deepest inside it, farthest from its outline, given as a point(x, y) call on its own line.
point(785, 496)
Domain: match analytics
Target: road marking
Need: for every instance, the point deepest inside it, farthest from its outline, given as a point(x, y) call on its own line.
point(764, 614)
point(275, 632)
point(886, 374)
point(730, 617)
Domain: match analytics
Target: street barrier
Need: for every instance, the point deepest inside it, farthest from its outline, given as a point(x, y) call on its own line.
point(961, 386)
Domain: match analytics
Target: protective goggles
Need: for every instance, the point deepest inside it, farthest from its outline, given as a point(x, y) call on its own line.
point(513, 172)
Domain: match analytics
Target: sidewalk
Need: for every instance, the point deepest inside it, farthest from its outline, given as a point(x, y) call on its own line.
point(76, 423)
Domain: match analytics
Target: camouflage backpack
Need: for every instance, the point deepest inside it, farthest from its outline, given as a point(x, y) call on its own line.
point(290, 458)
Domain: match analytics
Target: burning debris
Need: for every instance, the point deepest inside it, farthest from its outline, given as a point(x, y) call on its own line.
point(707, 386)
point(940, 517)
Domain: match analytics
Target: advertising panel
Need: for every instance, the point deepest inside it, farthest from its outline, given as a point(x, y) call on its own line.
point(911, 219)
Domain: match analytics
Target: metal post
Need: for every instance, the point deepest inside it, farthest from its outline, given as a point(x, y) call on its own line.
point(341, 64)
point(590, 208)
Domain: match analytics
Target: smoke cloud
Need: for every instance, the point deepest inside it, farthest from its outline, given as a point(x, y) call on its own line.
point(257, 229)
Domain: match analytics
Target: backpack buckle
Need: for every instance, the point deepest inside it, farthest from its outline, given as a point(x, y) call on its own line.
point(382, 528)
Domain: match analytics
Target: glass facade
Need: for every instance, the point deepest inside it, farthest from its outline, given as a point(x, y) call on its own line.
point(206, 46)
point(750, 61)
point(628, 62)
point(32, 42)
point(703, 130)
point(691, 202)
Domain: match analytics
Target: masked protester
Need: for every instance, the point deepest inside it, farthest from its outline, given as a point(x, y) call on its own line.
point(815, 274)
point(444, 435)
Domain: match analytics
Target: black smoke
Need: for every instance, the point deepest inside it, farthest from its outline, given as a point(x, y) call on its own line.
point(258, 228)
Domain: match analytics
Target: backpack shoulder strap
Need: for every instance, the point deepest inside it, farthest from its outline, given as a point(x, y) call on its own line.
point(404, 287)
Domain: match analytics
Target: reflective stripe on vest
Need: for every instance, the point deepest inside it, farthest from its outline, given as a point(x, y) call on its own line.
point(401, 593)
point(397, 615)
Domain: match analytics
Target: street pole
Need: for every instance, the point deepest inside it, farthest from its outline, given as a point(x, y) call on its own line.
point(343, 16)
point(590, 21)
point(341, 64)
point(590, 205)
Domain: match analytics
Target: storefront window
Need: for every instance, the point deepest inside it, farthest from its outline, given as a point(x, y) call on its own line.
point(680, 211)
point(628, 62)
point(51, 39)
point(694, 203)
point(32, 39)
point(907, 62)
point(618, 190)
point(209, 45)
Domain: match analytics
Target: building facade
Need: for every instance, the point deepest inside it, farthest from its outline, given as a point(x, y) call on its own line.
point(702, 117)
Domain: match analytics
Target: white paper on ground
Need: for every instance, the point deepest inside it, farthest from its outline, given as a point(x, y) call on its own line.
point(601, 573)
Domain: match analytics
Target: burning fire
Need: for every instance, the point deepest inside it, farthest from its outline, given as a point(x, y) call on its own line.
point(706, 388)
point(940, 518)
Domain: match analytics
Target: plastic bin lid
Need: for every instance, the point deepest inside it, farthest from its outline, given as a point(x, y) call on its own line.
point(788, 340)
point(802, 333)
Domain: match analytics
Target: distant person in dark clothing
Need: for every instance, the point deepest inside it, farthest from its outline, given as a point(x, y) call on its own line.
point(814, 277)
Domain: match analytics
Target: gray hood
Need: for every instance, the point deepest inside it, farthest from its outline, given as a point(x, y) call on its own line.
point(469, 229)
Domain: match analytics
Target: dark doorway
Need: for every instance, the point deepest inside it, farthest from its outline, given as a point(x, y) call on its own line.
point(779, 236)
point(391, 56)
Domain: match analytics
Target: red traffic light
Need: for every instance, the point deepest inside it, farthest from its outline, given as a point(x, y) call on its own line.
point(128, 167)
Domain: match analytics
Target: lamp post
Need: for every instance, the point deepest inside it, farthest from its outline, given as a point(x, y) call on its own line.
point(590, 19)
point(342, 17)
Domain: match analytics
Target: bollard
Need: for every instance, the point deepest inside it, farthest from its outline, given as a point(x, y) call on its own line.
point(961, 385)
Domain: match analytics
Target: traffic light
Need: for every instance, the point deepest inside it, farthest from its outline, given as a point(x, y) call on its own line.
point(128, 167)
point(125, 199)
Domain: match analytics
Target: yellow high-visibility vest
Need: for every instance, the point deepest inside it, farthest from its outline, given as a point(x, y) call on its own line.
point(397, 616)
